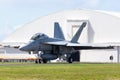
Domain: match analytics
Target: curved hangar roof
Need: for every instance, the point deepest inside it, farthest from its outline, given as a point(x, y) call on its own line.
point(105, 26)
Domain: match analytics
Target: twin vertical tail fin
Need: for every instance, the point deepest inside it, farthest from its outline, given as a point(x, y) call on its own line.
point(78, 33)
point(59, 34)
point(58, 31)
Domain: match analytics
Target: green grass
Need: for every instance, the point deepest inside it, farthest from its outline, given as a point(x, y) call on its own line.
point(64, 71)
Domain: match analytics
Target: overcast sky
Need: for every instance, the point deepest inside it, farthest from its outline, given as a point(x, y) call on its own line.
point(14, 13)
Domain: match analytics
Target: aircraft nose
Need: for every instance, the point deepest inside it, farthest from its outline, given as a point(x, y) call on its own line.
point(24, 48)
point(30, 47)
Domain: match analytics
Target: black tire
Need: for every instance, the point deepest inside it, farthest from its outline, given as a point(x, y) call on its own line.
point(44, 61)
point(70, 60)
point(39, 61)
point(36, 61)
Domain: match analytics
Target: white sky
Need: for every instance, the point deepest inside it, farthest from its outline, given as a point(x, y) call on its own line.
point(14, 13)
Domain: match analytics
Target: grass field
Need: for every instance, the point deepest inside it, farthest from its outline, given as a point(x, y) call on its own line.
point(64, 71)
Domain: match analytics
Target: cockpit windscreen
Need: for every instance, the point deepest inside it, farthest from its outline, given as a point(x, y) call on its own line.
point(38, 36)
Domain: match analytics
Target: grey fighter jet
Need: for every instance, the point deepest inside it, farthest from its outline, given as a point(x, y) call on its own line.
point(53, 48)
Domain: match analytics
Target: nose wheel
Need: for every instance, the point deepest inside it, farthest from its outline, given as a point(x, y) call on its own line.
point(38, 61)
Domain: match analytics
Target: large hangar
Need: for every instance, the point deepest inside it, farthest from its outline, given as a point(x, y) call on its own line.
point(102, 28)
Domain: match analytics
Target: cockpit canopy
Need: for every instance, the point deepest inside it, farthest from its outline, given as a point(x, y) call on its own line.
point(38, 36)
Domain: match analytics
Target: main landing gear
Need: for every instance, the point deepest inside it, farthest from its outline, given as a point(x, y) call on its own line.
point(70, 60)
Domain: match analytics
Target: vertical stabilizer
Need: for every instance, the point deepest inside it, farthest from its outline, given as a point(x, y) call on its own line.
point(58, 31)
point(78, 33)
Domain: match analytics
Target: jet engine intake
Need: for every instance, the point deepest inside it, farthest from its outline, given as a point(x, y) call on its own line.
point(48, 56)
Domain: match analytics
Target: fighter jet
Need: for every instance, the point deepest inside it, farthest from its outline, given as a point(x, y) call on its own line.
point(53, 48)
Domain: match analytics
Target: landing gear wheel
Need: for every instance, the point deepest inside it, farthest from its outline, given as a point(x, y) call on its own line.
point(70, 60)
point(38, 61)
point(44, 61)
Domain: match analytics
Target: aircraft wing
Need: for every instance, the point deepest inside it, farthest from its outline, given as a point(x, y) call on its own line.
point(79, 46)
